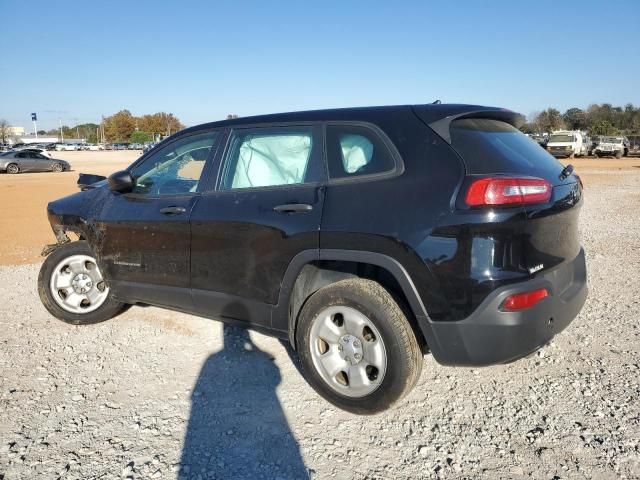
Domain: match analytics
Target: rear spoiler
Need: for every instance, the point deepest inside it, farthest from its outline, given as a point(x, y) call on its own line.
point(441, 126)
point(87, 181)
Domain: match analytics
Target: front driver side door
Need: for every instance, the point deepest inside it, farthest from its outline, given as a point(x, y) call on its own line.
point(143, 236)
point(266, 209)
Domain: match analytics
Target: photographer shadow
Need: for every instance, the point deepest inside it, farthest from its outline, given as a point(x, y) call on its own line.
point(237, 428)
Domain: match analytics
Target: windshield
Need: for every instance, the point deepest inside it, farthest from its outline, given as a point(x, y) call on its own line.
point(561, 138)
point(611, 140)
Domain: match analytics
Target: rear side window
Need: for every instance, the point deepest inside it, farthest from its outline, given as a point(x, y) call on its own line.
point(354, 150)
point(267, 157)
point(492, 146)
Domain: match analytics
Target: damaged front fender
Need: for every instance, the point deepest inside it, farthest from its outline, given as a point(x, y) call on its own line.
point(76, 214)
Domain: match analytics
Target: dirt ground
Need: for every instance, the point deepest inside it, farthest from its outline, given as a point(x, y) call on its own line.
point(24, 228)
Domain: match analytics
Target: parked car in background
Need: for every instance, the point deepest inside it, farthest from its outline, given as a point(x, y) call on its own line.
point(366, 237)
point(67, 147)
point(28, 161)
point(95, 146)
point(42, 151)
point(148, 146)
point(135, 146)
point(539, 139)
point(610, 146)
point(568, 143)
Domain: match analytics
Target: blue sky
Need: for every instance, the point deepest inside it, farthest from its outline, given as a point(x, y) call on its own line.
point(202, 60)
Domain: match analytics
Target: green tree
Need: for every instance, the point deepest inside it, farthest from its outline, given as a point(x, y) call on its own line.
point(528, 128)
point(549, 120)
point(604, 127)
point(5, 131)
point(140, 137)
point(160, 123)
point(119, 126)
point(575, 119)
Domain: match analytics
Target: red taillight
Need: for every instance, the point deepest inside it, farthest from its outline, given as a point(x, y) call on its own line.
point(522, 301)
point(507, 191)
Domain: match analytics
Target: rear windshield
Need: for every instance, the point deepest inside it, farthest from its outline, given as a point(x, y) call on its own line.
point(491, 146)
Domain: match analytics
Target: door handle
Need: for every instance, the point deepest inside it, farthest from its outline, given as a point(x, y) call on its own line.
point(293, 208)
point(172, 210)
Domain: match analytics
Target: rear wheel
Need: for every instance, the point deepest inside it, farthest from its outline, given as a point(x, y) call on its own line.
point(72, 288)
point(13, 168)
point(57, 167)
point(356, 346)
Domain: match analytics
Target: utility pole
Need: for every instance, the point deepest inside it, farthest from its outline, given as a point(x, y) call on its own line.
point(34, 118)
point(61, 132)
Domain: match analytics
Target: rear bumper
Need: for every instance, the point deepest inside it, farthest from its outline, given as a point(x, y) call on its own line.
point(490, 336)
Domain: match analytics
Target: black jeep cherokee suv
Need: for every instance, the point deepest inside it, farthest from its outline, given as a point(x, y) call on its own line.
point(364, 236)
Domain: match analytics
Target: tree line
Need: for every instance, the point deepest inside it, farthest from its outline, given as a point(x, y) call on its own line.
point(597, 119)
point(122, 127)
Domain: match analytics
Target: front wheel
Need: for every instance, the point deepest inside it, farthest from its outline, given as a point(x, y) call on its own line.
point(357, 347)
point(72, 288)
point(57, 167)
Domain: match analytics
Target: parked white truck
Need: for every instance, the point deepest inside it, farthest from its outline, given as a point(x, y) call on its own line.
point(569, 143)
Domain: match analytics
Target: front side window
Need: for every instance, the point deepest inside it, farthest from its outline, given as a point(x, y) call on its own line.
point(265, 157)
point(175, 168)
point(354, 150)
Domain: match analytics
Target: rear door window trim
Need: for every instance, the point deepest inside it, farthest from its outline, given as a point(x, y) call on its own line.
point(396, 171)
point(317, 135)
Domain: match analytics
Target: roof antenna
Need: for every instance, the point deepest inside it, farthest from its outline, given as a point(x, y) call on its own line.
point(437, 102)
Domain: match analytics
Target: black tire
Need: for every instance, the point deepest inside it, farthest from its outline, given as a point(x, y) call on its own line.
point(13, 168)
point(618, 153)
point(109, 309)
point(57, 167)
point(404, 355)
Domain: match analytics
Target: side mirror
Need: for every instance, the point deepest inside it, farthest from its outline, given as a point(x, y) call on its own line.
point(121, 182)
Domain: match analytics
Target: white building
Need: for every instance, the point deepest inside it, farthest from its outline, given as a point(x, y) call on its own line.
point(16, 131)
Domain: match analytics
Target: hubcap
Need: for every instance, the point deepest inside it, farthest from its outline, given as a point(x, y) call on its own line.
point(77, 285)
point(347, 351)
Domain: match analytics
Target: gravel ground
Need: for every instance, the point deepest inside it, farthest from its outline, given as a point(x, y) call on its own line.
point(157, 394)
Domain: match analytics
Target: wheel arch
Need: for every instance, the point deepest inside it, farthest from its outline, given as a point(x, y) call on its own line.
point(311, 270)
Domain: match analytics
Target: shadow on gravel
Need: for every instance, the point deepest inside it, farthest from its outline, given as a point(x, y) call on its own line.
point(237, 429)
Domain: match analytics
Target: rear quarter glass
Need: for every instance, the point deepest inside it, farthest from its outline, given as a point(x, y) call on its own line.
point(493, 147)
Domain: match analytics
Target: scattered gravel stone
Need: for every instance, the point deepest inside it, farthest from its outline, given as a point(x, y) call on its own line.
point(158, 394)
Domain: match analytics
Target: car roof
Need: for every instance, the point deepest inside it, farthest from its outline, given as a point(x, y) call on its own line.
point(428, 112)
